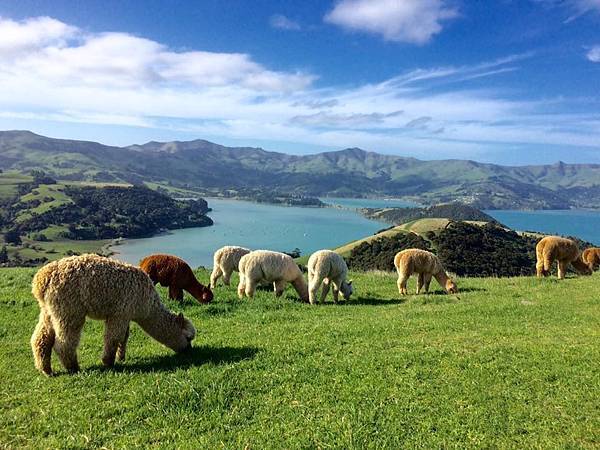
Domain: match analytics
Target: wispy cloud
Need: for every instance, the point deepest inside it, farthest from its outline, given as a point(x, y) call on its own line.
point(52, 71)
point(412, 21)
point(594, 54)
point(282, 22)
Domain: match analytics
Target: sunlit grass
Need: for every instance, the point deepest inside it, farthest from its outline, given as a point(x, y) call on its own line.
point(509, 363)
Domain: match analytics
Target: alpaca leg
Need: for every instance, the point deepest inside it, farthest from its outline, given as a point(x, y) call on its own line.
point(215, 275)
point(402, 279)
point(426, 282)
point(336, 290)
point(42, 341)
point(115, 333)
point(68, 333)
point(123, 346)
point(176, 293)
point(326, 286)
point(420, 282)
point(250, 287)
point(539, 269)
point(242, 286)
point(227, 277)
point(313, 288)
point(562, 269)
point(279, 287)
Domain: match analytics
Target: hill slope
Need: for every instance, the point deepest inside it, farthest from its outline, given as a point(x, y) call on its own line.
point(207, 167)
point(513, 363)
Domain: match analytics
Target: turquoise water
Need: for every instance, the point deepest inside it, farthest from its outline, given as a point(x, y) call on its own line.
point(254, 225)
point(354, 203)
point(283, 228)
point(580, 223)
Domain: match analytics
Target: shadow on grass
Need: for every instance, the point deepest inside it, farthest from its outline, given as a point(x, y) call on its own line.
point(372, 301)
point(197, 356)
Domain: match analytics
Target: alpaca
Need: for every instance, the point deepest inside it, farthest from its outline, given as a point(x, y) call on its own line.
point(271, 267)
point(427, 265)
point(174, 273)
point(591, 256)
point(327, 267)
point(565, 251)
point(225, 261)
point(71, 289)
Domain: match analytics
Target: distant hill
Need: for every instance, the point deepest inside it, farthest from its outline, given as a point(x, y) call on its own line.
point(211, 168)
point(451, 211)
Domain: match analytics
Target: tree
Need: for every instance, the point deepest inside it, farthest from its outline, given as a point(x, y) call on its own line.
point(12, 237)
point(3, 255)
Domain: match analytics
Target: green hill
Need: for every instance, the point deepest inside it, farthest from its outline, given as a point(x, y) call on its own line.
point(207, 167)
point(512, 363)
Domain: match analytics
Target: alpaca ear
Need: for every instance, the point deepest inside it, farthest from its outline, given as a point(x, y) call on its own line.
point(180, 318)
point(350, 282)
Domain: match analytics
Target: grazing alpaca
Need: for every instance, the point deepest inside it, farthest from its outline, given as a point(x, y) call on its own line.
point(565, 251)
point(427, 265)
point(71, 289)
point(591, 256)
point(174, 273)
point(327, 267)
point(271, 267)
point(225, 261)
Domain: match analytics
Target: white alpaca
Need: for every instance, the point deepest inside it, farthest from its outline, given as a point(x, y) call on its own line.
point(271, 267)
point(225, 261)
point(327, 267)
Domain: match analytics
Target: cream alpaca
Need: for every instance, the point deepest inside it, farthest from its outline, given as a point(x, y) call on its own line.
point(565, 251)
point(272, 267)
point(426, 265)
point(225, 261)
point(71, 289)
point(327, 267)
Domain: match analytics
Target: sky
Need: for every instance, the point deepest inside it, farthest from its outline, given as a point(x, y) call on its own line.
point(504, 81)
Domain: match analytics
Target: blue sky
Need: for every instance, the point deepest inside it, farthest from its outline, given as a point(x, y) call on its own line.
point(512, 82)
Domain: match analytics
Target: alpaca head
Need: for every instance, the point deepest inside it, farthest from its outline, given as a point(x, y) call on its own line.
point(346, 289)
point(583, 267)
point(207, 295)
point(180, 338)
point(451, 287)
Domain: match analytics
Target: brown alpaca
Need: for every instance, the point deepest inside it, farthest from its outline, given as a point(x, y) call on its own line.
point(565, 251)
point(174, 273)
point(71, 289)
point(427, 265)
point(591, 256)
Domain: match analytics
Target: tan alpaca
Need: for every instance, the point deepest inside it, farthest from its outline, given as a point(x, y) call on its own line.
point(325, 268)
point(226, 261)
point(565, 251)
point(71, 289)
point(591, 256)
point(426, 265)
point(271, 267)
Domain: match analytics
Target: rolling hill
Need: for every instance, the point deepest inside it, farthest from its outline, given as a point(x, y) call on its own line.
point(209, 168)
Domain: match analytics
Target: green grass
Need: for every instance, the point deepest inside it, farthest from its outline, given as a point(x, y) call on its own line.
point(511, 363)
point(50, 196)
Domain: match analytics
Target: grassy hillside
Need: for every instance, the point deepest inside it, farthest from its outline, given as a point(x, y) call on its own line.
point(512, 363)
point(207, 167)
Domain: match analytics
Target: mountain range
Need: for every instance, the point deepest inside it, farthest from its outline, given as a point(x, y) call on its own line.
point(207, 167)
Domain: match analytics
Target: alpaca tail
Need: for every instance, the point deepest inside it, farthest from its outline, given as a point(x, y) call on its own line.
point(40, 283)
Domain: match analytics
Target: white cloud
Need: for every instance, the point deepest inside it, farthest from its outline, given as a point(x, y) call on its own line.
point(412, 21)
point(594, 54)
point(281, 22)
point(60, 73)
point(43, 46)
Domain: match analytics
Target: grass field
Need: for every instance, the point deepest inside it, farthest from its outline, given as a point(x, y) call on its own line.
point(511, 363)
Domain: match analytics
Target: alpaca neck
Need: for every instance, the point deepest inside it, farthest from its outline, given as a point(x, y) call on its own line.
point(301, 288)
point(580, 265)
point(442, 278)
point(160, 323)
point(196, 290)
